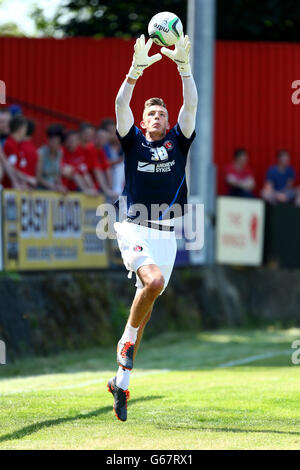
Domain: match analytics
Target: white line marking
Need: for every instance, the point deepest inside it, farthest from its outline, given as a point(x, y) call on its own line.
point(31, 389)
point(136, 374)
point(248, 360)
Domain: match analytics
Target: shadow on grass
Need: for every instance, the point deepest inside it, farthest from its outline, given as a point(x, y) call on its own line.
point(200, 428)
point(32, 428)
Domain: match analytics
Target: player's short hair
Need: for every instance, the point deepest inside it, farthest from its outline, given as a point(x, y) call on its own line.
point(154, 102)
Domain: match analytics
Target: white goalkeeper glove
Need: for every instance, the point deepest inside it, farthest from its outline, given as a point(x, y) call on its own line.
point(180, 55)
point(141, 60)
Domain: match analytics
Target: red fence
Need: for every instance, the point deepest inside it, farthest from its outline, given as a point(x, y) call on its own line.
point(69, 80)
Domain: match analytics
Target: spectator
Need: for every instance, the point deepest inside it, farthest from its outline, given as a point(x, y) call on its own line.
point(114, 154)
point(5, 117)
point(50, 159)
point(101, 139)
point(75, 168)
point(28, 152)
point(87, 140)
point(2, 158)
point(15, 110)
point(238, 176)
point(279, 184)
point(16, 160)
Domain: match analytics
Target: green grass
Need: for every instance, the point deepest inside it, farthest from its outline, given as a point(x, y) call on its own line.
point(183, 396)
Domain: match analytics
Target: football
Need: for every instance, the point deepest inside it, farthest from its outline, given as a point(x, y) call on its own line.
point(165, 29)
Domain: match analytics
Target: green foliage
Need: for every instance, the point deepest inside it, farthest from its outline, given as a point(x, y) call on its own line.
point(95, 18)
point(11, 29)
point(268, 20)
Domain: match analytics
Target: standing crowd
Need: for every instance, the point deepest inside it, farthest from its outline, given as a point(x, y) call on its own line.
point(88, 159)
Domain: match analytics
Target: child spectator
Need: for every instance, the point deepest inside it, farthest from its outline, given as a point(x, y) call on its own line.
point(75, 167)
point(238, 176)
point(279, 184)
point(104, 176)
point(114, 153)
point(87, 145)
point(50, 159)
point(17, 161)
point(28, 153)
point(5, 117)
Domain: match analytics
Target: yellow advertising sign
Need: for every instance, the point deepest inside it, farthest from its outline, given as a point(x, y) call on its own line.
point(46, 230)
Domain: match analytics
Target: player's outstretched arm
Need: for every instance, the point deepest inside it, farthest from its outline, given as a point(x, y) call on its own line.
point(187, 113)
point(141, 61)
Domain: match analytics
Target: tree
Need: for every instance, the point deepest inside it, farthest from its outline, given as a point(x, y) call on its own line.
point(259, 20)
point(10, 29)
point(114, 18)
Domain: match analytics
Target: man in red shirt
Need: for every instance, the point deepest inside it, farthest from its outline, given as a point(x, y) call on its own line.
point(29, 153)
point(75, 166)
point(16, 160)
point(239, 177)
point(96, 166)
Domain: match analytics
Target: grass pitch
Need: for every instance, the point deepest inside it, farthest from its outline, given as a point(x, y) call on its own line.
point(220, 390)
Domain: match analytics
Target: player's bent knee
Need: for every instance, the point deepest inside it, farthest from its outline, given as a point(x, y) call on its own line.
point(155, 286)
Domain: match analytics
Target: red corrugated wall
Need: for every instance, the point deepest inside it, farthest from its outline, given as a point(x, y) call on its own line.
point(80, 77)
point(253, 107)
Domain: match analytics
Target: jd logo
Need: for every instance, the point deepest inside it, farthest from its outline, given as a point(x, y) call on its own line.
point(158, 153)
point(2, 92)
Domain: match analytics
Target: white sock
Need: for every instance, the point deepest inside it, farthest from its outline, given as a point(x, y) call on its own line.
point(130, 334)
point(123, 376)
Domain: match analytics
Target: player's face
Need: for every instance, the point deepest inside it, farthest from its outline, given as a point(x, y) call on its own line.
point(155, 120)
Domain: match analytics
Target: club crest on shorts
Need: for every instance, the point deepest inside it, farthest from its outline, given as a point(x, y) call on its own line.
point(137, 248)
point(169, 145)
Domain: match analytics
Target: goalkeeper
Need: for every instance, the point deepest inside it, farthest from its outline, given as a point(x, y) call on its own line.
point(154, 176)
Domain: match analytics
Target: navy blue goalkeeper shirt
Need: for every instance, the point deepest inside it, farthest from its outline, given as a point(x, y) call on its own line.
point(155, 171)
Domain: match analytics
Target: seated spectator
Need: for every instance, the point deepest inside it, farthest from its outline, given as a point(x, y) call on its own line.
point(104, 176)
point(87, 145)
point(2, 158)
point(5, 117)
point(115, 155)
point(279, 184)
point(50, 155)
point(29, 154)
point(238, 176)
point(74, 166)
point(16, 160)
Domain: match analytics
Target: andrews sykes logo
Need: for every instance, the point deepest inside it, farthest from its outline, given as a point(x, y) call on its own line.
point(155, 168)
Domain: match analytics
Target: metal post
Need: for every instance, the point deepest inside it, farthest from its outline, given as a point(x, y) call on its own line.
point(202, 187)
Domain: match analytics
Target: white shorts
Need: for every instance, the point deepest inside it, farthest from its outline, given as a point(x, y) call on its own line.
point(141, 246)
